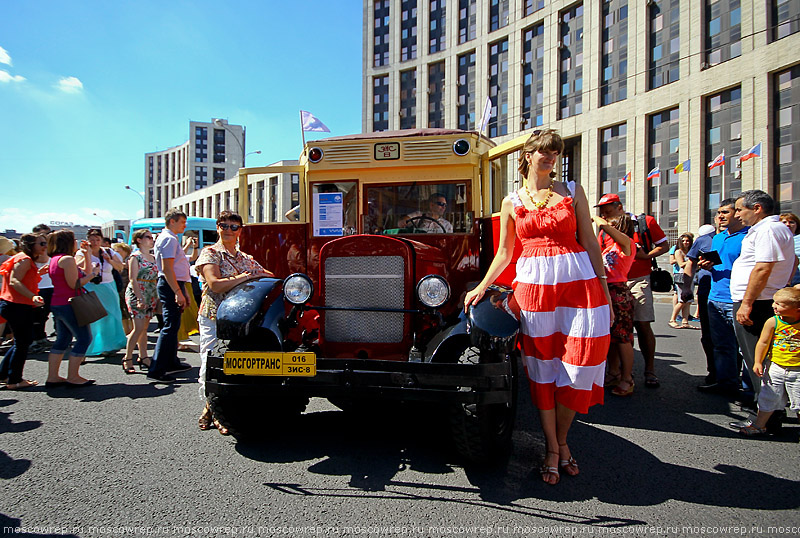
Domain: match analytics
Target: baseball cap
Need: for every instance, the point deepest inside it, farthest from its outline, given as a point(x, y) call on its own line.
point(705, 229)
point(609, 198)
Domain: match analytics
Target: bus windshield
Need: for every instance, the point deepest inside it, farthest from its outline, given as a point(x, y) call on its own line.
point(417, 208)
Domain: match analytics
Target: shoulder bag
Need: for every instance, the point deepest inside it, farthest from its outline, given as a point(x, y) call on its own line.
point(86, 306)
point(660, 280)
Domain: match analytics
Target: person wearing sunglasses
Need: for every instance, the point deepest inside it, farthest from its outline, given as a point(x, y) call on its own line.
point(432, 220)
point(141, 297)
point(222, 267)
point(19, 296)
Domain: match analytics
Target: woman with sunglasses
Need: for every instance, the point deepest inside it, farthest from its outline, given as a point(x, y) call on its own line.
point(222, 267)
point(19, 295)
point(141, 297)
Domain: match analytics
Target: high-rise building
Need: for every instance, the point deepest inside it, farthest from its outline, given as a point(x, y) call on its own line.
point(632, 86)
point(213, 153)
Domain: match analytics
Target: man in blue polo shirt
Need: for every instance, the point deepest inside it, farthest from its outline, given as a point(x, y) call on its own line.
point(728, 244)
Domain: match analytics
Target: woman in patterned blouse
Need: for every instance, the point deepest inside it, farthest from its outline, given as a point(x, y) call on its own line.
point(223, 267)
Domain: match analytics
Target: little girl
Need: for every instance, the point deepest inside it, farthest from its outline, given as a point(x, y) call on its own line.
point(780, 337)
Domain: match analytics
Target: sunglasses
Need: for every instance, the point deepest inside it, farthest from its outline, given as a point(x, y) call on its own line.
point(441, 204)
point(231, 227)
point(147, 237)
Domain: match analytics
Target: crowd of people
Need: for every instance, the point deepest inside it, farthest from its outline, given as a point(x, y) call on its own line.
point(579, 295)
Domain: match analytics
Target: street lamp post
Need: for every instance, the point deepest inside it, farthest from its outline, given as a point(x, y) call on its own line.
point(218, 123)
point(141, 195)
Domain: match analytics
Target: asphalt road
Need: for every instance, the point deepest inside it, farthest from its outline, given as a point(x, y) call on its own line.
point(126, 458)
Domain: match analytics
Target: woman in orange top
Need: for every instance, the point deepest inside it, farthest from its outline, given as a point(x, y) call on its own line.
point(18, 297)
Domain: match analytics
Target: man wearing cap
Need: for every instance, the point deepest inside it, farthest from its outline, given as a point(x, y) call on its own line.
point(639, 280)
point(705, 235)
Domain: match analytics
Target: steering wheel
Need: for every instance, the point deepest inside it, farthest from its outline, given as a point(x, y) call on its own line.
point(411, 224)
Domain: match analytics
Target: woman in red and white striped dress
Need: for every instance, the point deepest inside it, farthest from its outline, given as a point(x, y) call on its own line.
point(561, 294)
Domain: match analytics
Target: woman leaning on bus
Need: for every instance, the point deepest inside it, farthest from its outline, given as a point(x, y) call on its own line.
point(222, 267)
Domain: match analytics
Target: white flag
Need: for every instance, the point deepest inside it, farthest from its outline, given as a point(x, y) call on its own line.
point(487, 114)
point(311, 123)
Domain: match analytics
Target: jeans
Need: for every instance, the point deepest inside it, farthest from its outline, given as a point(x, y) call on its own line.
point(726, 349)
point(748, 336)
point(165, 356)
point(706, 339)
point(67, 327)
point(20, 319)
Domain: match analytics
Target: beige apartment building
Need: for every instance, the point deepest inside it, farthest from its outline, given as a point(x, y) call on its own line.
point(213, 153)
point(634, 86)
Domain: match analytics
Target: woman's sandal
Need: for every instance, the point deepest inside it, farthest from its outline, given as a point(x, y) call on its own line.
point(674, 325)
point(569, 466)
point(617, 391)
point(142, 365)
point(546, 470)
point(222, 429)
point(206, 420)
point(612, 380)
point(128, 369)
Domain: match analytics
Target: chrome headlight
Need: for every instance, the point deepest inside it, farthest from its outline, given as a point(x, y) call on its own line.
point(433, 291)
point(297, 288)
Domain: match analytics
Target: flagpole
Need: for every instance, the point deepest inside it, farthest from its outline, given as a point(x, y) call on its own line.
point(722, 194)
point(302, 132)
point(761, 166)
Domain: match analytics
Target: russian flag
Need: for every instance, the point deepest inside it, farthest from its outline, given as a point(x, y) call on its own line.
point(719, 161)
point(626, 178)
point(654, 173)
point(755, 151)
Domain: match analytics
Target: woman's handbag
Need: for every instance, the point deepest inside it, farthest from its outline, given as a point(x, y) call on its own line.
point(660, 280)
point(86, 306)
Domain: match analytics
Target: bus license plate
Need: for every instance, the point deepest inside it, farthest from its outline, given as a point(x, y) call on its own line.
point(270, 363)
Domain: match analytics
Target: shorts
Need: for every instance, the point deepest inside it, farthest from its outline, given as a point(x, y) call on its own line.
point(778, 385)
point(642, 299)
point(622, 303)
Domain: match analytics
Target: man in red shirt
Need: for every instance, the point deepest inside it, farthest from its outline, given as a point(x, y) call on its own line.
point(639, 281)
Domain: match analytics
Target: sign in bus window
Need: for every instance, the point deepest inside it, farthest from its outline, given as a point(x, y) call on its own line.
point(328, 214)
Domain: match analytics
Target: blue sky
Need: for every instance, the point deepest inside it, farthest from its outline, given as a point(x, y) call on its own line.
point(88, 87)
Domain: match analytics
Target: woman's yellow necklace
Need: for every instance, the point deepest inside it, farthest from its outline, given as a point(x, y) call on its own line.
point(543, 203)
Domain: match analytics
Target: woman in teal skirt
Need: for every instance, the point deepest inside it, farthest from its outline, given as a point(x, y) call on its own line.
point(107, 334)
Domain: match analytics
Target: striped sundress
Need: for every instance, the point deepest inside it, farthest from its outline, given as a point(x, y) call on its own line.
point(564, 315)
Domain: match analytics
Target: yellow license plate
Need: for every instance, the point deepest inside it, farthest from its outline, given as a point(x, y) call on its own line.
point(270, 363)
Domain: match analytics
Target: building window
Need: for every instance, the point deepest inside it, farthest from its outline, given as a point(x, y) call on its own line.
point(408, 99)
point(408, 30)
point(787, 139)
point(219, 175)
point(467, 20)
point(532, 77)
point(614, 64)
point(219, 145)
point(466, 91)
point(295, 189)
point(380, 103)
point(200, 177)
point(723, 30)
point(498, 14)
point(436, 95)
point(614, 160)
point(438, 26)
point(498, 88)
point(158, 175)
point(150, 171)
point(785, 18)
point(531, 6)
point(380, 49)
point(272, 198)
point(200, 144)
point(723, 134)
point(663, 142)
point(665, 47)
point(260, 201)
point(571, 62)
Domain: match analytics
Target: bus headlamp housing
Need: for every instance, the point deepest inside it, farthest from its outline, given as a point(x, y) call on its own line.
point(315, 155)
point(461, 147)
point(433, 291)
point(298, 289)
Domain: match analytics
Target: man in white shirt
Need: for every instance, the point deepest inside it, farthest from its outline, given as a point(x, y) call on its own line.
point(763, 267)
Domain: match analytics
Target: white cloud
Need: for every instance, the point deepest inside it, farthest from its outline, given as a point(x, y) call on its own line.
point(70, 85)
point(5, 76)
point(23, 220)
point(5, 58)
